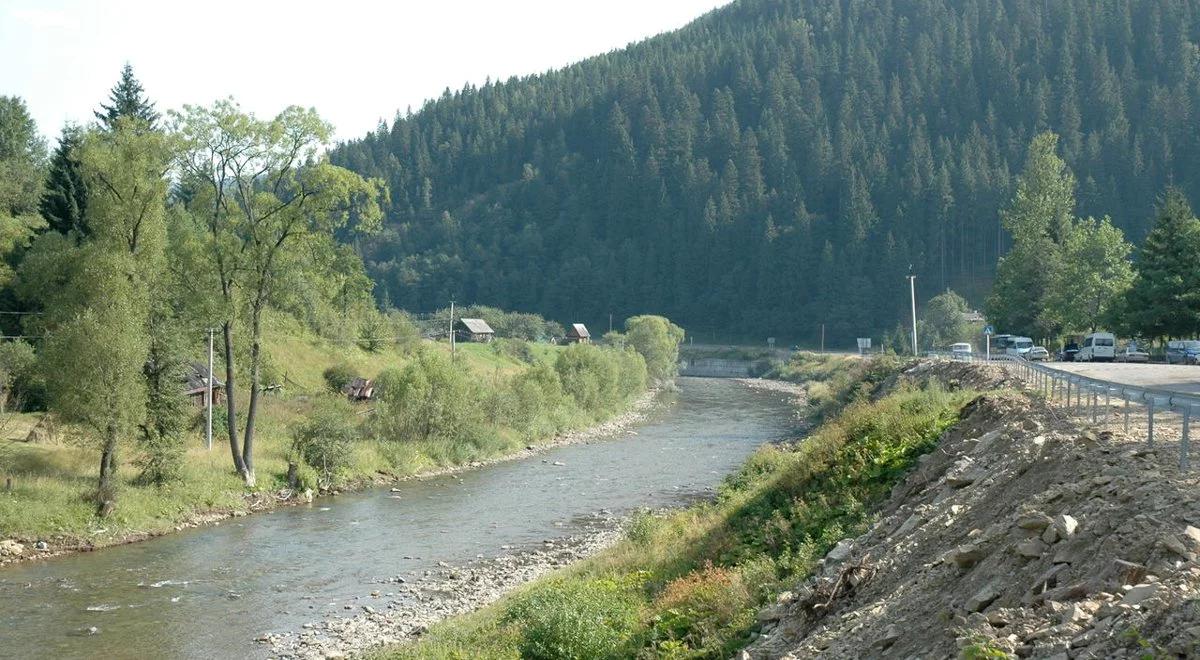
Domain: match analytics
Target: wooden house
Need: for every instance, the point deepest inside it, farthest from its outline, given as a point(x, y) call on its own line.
point(195, 385)
point(578, 334)
point(359, 389)
point(474, 330)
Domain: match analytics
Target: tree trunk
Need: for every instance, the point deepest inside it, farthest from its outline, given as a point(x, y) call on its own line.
point(255, 390)
point(230, 401)
point(106, 493)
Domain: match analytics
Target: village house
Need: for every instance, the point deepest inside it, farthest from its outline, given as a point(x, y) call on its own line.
point(195, 385)
point(474, 330)
point(578, 334)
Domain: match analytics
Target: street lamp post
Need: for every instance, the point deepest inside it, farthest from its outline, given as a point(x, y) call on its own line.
point(912, 289)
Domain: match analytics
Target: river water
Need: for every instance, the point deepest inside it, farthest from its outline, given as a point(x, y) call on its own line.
point(209, 592)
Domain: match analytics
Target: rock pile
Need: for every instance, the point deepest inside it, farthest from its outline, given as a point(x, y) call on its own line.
point(1023, 533)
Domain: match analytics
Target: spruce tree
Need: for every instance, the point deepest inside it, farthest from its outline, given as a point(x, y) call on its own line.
point(127, 99)
point(64, 200)
point(1165, 298)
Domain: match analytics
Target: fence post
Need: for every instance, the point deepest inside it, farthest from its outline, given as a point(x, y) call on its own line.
point(1095, 403)
point(1150, 422)
point(1107, 403)
point(1185, 440)
point(1126, 398)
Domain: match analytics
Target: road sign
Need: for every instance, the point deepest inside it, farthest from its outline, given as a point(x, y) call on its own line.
point(864, 344)
point(989, 330)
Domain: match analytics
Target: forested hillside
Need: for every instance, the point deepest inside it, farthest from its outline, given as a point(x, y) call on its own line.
point(779, 164)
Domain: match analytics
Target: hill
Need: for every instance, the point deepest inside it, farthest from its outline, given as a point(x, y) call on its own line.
point(777, 165)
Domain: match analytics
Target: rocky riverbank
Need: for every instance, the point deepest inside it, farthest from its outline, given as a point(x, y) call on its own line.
point(17, 550)
point(404, 606)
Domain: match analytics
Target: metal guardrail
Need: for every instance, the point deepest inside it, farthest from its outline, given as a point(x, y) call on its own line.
point(1054, 384)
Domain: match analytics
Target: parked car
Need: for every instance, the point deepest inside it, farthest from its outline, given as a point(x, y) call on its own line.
point(961, 351)
point(1068, 352)
point(1038, 354)
point(1019, 347)
point(1131, 353)
point(1097, 347)
point(1183, 351)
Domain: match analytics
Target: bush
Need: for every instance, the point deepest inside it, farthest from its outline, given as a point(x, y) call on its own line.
point(338, 376)
point(705, 611)
point(429, 399)
point(573, 620)
point(657, 340)
point(325, 440)
point(517, 349)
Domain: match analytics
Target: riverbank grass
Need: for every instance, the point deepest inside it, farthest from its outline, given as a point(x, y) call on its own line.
point(688, 584)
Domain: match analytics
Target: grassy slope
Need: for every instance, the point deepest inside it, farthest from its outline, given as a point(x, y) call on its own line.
point(688, 584)
point(52, 480)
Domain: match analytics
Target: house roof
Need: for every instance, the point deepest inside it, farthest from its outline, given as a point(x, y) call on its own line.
point(579, 330)
point(195, 379)
point(477, 326)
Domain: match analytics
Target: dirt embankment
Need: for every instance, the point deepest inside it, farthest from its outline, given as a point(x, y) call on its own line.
point(1026, 531)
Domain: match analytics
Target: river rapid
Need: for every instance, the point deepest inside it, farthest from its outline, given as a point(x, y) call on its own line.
point(212, 591)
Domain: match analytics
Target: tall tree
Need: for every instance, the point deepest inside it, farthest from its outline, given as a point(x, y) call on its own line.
point(1164, 300)
point(264, 196)
point(1039, 217)
point(1094, 274)
point(97, 325)
point(127, 99)
point(64, 201)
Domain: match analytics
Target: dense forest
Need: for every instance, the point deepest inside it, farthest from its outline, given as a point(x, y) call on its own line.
point(778, 165)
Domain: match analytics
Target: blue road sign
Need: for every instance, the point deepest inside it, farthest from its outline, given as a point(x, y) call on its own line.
point(989, 330)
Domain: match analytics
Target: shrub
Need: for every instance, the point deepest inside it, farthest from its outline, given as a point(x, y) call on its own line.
point(429, 399)
point(338, 376)
point(657, 339)
point(517, 349)
point(706, 610)
point(589, 376)
point(576, 620)
point(325, 439)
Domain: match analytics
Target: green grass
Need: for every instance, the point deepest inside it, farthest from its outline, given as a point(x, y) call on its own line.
point(696, 577)
point(53, 481)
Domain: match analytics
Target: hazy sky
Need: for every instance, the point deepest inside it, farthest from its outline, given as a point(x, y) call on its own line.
point(355, 61)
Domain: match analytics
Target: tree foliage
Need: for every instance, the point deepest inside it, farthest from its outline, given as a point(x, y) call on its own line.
point(127, 100)
point(657, 340)
point(1164, 300)
point(778, 165)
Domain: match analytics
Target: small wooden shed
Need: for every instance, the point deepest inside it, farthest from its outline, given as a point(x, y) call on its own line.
point(359, 389)
point(578, 334)
point(195, 385)
point(474, 330)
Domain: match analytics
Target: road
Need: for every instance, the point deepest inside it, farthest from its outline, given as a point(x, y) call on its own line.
point(1174, 377)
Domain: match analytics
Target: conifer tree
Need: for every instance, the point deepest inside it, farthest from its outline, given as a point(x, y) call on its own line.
point(127, 99)
point(1164, 300)
point(64, 200)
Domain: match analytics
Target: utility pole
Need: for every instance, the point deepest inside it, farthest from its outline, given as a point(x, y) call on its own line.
point(610, 321)
point(822, 337)
point(451, 330)
point(912, 289)
point(208, 398)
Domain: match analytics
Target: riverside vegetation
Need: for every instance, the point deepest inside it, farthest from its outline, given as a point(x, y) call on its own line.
point(688, 584)
point(140, 233)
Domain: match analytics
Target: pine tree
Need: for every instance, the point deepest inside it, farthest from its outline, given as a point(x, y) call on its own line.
point(64, 201)
point(127, 99)
point(1164, 300)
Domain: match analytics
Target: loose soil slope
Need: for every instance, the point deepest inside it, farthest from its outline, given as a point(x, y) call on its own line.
point(1025, 532)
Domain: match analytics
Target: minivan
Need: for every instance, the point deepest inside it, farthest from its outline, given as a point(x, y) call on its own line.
point(961, 351)
point(1183, 351)
point(1019, 346)
point(1097, 347)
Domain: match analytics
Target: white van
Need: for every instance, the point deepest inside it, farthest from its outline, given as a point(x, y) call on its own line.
point(1019, 346)
point(961, 351)
point(1097, 347)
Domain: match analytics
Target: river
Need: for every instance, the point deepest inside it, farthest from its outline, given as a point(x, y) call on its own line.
point(209, 592)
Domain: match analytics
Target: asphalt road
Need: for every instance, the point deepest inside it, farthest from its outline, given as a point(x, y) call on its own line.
point(1175, 377)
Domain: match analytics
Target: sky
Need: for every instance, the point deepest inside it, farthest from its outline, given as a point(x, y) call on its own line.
point(355, 61)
